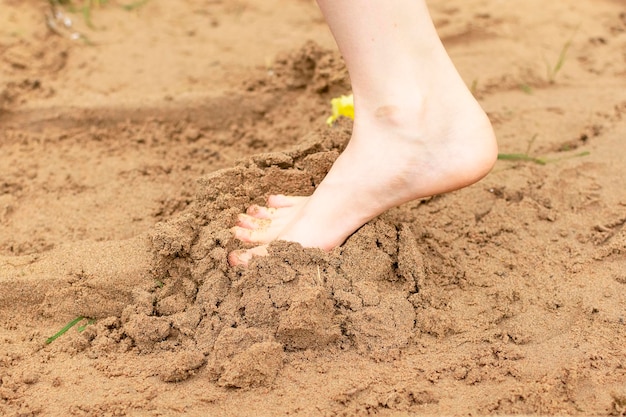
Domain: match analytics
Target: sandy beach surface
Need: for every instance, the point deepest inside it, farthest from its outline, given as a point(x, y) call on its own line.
point(130, 141)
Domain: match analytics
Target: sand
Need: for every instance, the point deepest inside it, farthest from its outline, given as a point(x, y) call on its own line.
point(126, 155)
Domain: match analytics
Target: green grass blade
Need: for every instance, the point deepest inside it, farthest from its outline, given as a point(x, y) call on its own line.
point(64, 329)
point(526, 88)
point(84, 326)
point(540, 161)
point(553, 71)
point(562, 57)
point(87, 15)
point(520, 157)
point(134, 5)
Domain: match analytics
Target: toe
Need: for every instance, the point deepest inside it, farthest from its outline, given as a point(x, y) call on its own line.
point(280, 200)
point(261, 212)
point(242, 233)
point(243, 256)
point(251, 222)
point(262, 235)
point(239, 257)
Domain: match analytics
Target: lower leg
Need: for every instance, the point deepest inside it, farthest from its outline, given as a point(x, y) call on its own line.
point(417, 131)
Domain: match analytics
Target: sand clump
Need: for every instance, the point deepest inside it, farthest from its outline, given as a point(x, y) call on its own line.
point(246, 321)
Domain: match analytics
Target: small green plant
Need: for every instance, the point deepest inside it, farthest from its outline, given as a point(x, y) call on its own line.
point(538, 160)
point(553, 70)
point(526, 88)
point(69, 326)
point(85, 7)
point(523, 156)
point(134, 5)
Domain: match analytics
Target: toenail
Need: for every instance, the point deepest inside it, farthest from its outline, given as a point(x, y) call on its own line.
point(243, 221)
point(239, 232)
point(239, 257)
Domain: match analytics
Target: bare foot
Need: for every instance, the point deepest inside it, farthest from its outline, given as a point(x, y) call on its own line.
point(418, 130)
point(397, 153)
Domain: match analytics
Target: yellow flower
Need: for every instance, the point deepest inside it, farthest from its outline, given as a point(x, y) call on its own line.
point(342, 106)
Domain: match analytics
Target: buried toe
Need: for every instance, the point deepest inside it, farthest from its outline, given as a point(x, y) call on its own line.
point(242, 257)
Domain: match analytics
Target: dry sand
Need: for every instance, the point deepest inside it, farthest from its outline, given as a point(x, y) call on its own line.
point(124, 161)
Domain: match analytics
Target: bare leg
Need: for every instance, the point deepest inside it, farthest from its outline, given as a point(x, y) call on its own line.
point(418, 131)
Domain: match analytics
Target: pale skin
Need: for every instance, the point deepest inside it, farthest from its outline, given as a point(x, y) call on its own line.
point(418, 131)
